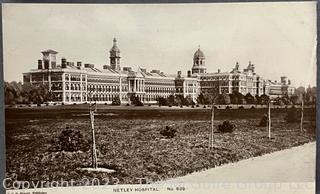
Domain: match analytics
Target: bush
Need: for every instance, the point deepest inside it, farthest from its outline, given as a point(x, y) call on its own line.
point(264, 121)
point(168, 132)
point(128, 104)
point(149, 105)
point(192, 106)
point(204, 106)
point(228, 107)
point(181, 106)
point(293, 115)
point(241, 107)
point(116, 101)
point(253, 107)
point(197, 105)
point(226, 127)
point(71, 140)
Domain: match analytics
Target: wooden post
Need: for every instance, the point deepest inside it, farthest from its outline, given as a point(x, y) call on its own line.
point(302, 107)
point(94, 150)
point(212, 119)
point(269, 120)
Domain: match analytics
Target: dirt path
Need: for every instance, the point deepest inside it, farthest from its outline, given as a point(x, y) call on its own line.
point(292, 165)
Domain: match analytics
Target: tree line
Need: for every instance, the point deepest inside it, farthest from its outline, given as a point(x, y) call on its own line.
point(18, 93)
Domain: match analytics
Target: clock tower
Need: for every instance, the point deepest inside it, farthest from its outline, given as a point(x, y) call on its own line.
point(115, 56)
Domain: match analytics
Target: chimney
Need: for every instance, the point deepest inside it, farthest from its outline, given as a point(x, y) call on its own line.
point(219, 70)
point(179, 74)
point(79, 64)
point(63, 63)
point(189, 73)
point(283, 80)
point(39, 64)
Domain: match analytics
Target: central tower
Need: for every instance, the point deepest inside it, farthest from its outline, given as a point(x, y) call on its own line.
point(115, 56)
point(199, 62)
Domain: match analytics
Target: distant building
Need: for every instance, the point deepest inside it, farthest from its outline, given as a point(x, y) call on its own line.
point(72, 82)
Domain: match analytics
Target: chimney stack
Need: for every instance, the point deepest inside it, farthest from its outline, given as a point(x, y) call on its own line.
point(179, 74)
point(189, 73)
point(39, 64)
point(79, 64)
point(63, 63)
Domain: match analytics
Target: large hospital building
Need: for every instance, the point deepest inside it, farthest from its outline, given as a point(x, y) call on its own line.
point(72, 82)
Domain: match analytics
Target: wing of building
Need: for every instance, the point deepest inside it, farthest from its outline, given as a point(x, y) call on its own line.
point(72, 82)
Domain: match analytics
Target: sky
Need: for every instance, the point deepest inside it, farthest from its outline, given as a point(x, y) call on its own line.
point(278, 37)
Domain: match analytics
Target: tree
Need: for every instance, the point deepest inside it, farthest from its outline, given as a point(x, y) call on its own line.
point(295, 99)
point(233, 98)
point(170, 100)
point(162, 101)
point(116, 101)
point(264, 99)
point(201, 99)
point(249, 98)
point(222, 99)
point(258, 99)
point(189, 100)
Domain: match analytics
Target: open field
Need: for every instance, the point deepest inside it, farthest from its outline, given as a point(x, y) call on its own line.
point(129, 141)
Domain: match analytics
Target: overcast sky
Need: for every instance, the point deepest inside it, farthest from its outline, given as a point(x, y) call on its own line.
point(279, 38)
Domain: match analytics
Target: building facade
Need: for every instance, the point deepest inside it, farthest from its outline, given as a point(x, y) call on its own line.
point(71, 82)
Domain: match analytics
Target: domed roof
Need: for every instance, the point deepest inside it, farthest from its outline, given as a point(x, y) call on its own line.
point(114, 47)
point(198, 54)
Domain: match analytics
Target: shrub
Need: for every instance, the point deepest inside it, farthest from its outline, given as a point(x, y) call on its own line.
point(149, 105)
point(226, 127)
point(241, 107)
point(62, 103)
point(128, 104)
point(168, 132)
point(116, 101)
point(253, 107)
point(192, 106)
point(228, 107)
point(38, 104)
point(293, 115)
point(204, 106)
point(264, 121)
point(197, 105)
point(181, 106)
point(170, 105)
point(71, 140)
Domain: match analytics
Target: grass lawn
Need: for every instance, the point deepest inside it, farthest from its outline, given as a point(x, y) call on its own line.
point(135, 148)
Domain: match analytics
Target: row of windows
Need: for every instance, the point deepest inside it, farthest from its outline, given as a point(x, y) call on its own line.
point(99, 88)
point(159, 90)
point(105, 80)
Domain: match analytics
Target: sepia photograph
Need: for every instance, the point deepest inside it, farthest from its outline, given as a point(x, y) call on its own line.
point(158, 98)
